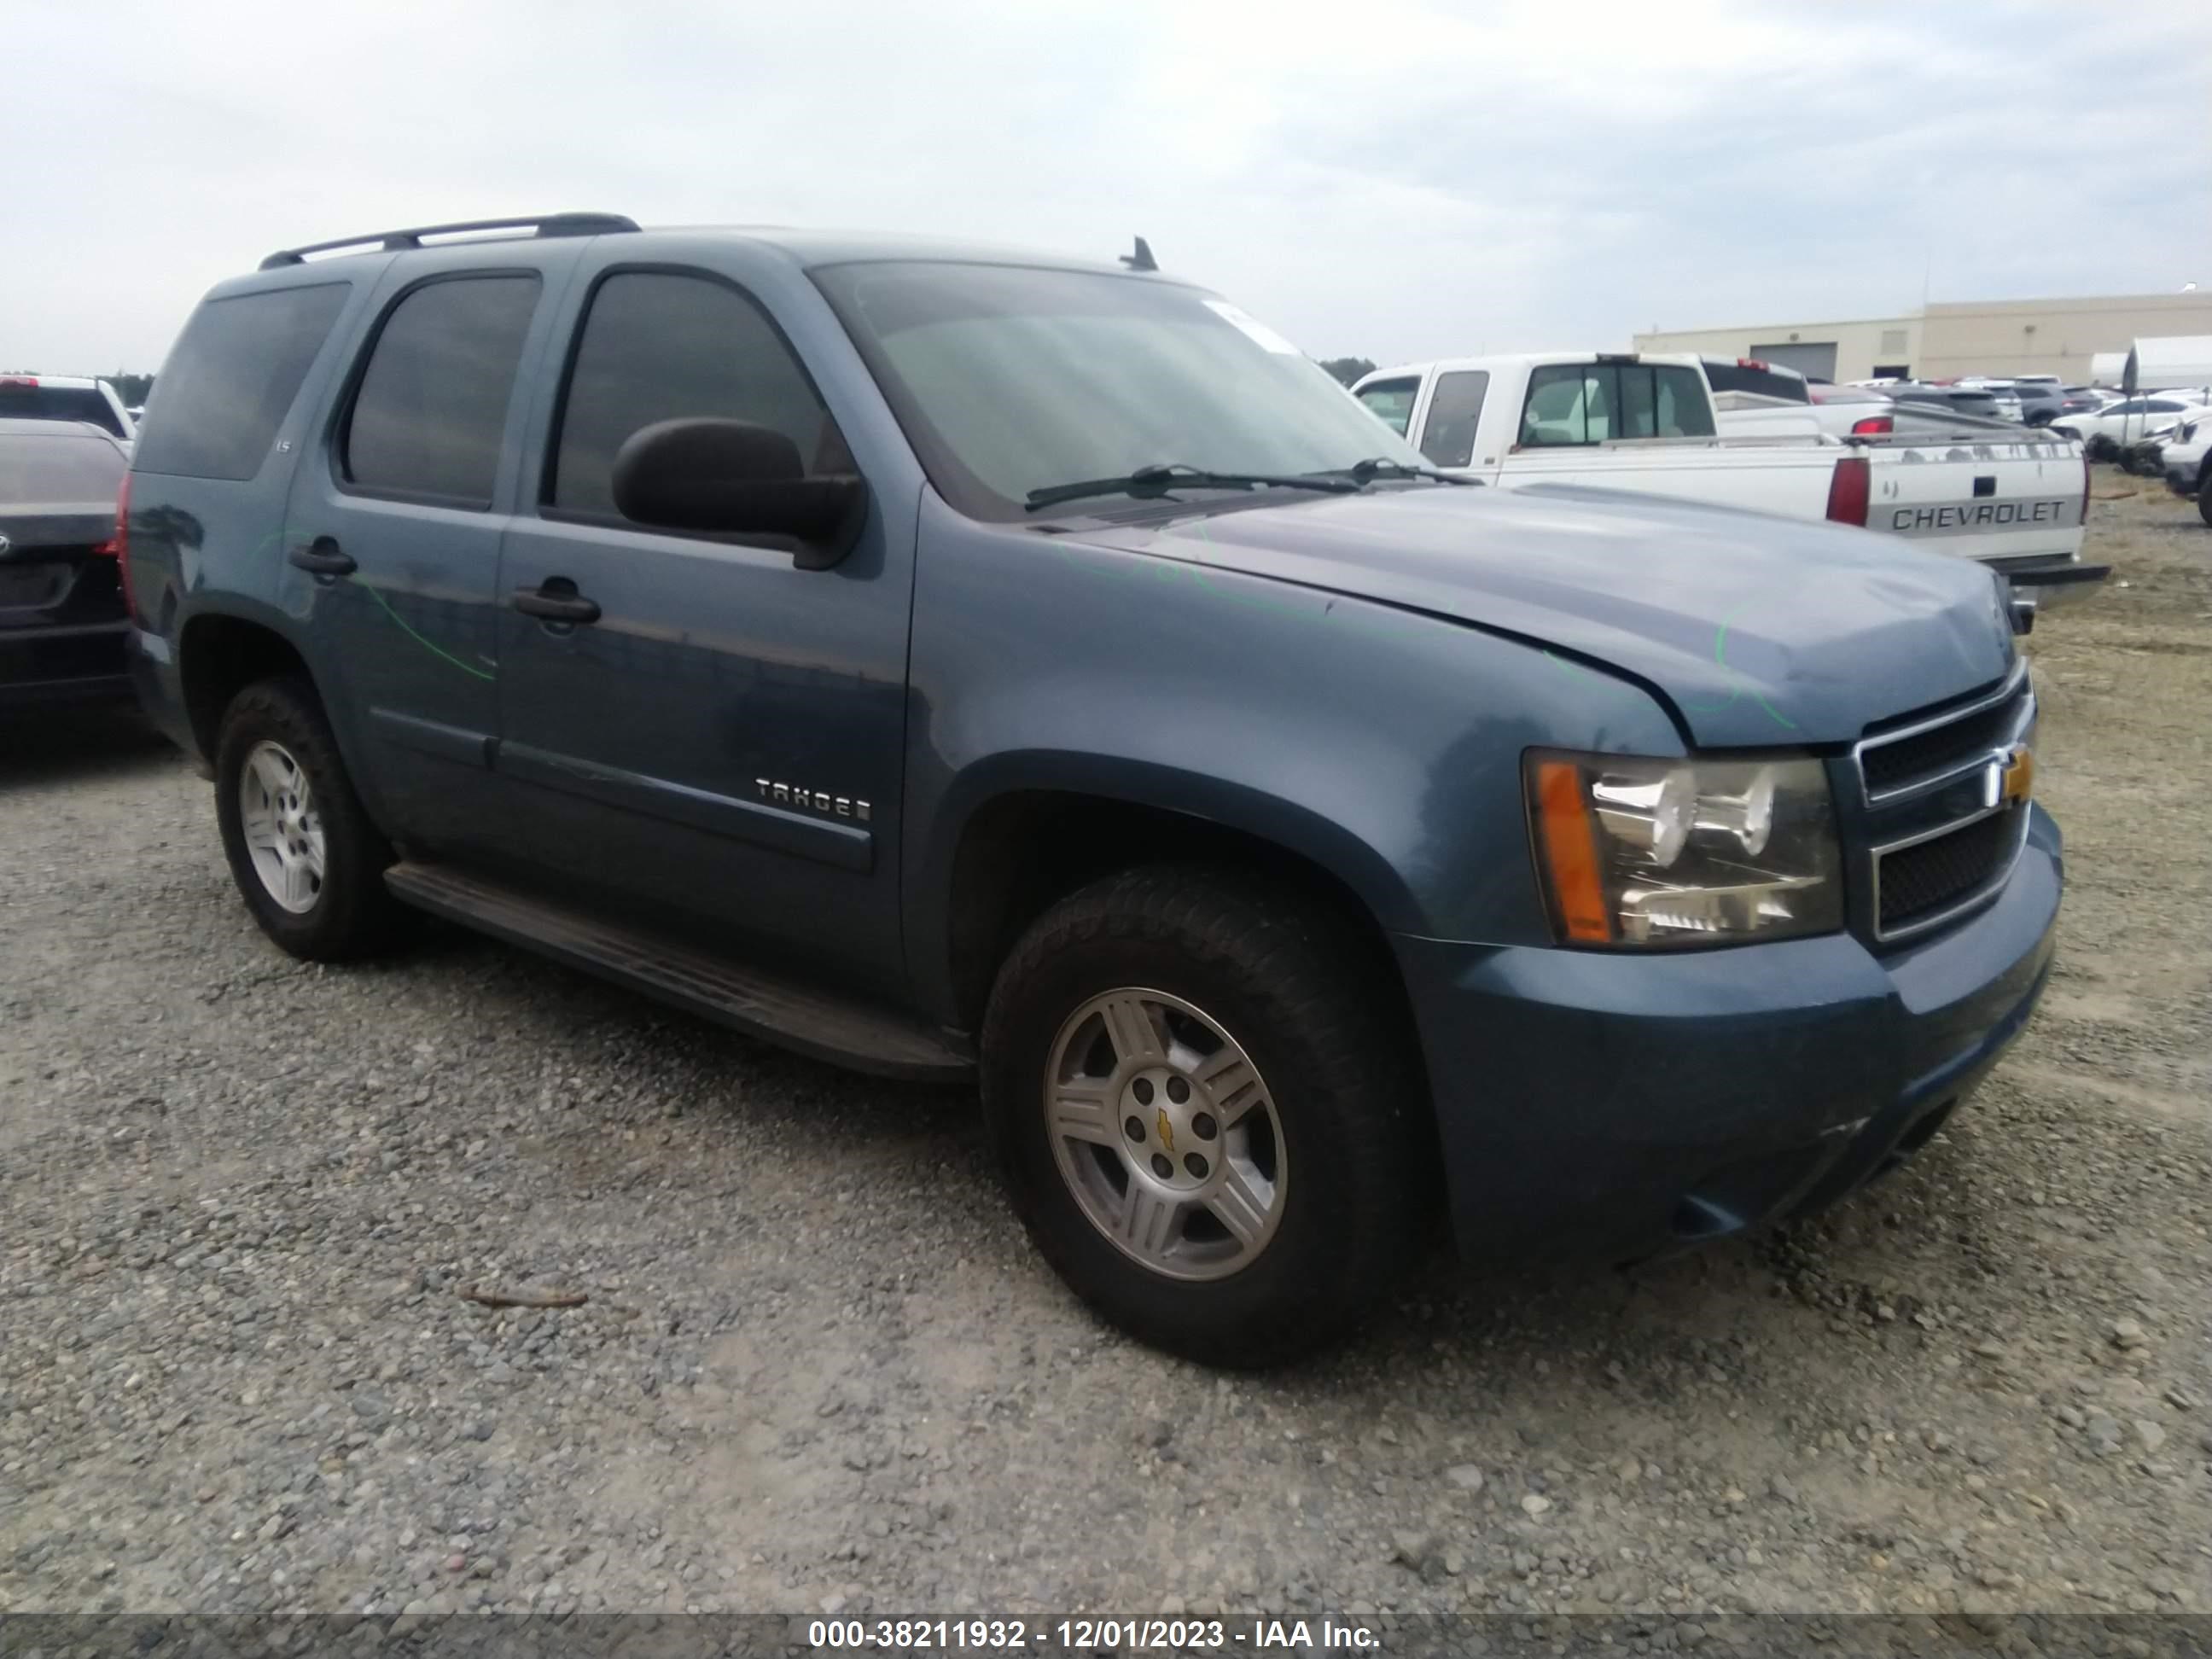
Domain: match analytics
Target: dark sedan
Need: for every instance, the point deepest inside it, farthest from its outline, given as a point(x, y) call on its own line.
point(62, 613)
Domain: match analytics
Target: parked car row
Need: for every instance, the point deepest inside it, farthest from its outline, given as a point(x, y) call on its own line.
point(950, 663)
point(62, 619)
point(2108, 431)
point(2185, 460)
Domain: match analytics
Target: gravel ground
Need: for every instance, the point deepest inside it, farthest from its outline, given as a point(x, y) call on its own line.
point(819, 1367)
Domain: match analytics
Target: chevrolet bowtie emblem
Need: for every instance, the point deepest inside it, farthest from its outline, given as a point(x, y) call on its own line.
point(2019, 775)
point(1166, 1129)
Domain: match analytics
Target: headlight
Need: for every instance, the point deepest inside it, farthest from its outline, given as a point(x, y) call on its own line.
point(1648, 854)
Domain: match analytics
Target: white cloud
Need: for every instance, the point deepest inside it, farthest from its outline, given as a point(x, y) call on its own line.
point(1388, 180)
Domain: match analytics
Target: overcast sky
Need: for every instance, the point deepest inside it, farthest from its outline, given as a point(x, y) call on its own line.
point(1384, 180)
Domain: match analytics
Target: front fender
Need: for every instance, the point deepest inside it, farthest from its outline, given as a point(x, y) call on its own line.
point(1383, 745)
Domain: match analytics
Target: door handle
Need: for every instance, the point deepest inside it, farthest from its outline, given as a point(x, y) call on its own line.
point(556, 599)
point(324, 556)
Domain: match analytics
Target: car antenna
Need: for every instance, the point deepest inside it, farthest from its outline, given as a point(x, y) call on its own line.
point(1142, 259)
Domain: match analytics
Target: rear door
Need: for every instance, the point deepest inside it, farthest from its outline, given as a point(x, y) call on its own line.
point(719, 749)
point(61, 606)
point(392, 536)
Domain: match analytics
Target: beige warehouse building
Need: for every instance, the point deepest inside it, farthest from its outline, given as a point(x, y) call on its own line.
point(1936, 342)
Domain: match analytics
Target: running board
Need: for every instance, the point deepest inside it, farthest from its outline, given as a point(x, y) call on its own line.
point(794, 1016)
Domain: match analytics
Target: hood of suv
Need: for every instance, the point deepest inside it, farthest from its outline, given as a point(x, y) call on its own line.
point(1759, 630)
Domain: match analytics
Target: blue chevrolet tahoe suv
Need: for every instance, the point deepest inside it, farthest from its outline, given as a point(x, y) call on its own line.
point(945, 660)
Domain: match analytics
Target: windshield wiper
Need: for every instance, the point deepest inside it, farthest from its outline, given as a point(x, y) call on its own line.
point(1381, 466)
point(1149, 482)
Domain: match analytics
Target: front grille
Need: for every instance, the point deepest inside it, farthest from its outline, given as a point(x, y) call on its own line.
point(1928, 877)
point(1895, 763)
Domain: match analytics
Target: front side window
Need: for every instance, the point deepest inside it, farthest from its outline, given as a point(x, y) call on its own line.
point(1448, 435)
point(1392, 401)
point(231, 378)
point(429, 417)
point(1009, 379)
point(663, 346)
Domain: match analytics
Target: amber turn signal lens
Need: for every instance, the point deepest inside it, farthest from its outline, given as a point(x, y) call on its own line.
point(1569, 848)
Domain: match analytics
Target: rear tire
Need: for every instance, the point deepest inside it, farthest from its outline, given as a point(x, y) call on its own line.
point(307, 859)
point(2204, 503)
point(1207, 1109)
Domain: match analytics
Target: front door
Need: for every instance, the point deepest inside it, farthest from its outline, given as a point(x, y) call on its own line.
point(709, 738)
point(393, 537)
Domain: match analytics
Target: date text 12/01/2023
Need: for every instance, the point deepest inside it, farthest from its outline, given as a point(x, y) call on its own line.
point(1088, 1635)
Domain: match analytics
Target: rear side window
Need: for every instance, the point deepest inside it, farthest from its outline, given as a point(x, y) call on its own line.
point(231, 378)
point(1448, 435)
point(429, 419)
point(63, 468)
point(24, 402)
point(1391, 402)
point(662, 346)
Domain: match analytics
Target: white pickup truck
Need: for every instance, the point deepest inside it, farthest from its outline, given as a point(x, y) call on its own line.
point(2011, 496)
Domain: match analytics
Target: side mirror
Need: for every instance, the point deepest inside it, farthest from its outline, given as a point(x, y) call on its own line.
point(734, 478)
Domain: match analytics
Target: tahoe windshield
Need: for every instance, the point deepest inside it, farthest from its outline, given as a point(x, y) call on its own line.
point(1010, 381)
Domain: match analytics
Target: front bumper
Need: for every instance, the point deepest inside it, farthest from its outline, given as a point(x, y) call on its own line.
point(1617, 1105)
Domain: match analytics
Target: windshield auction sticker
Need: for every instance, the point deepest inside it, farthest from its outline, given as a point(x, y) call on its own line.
point(1251, 327)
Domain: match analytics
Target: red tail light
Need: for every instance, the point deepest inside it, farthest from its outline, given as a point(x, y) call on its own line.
point(119, 547)
point(1872, 425)
point(1848, 490)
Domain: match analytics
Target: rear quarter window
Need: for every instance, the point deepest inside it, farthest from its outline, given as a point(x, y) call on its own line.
point(231, 379)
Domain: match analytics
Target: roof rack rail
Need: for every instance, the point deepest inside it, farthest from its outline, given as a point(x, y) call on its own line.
point(393, 241)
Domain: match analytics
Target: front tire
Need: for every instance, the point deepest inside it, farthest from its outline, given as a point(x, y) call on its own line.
point(307, 859)
point(1206, 1109)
